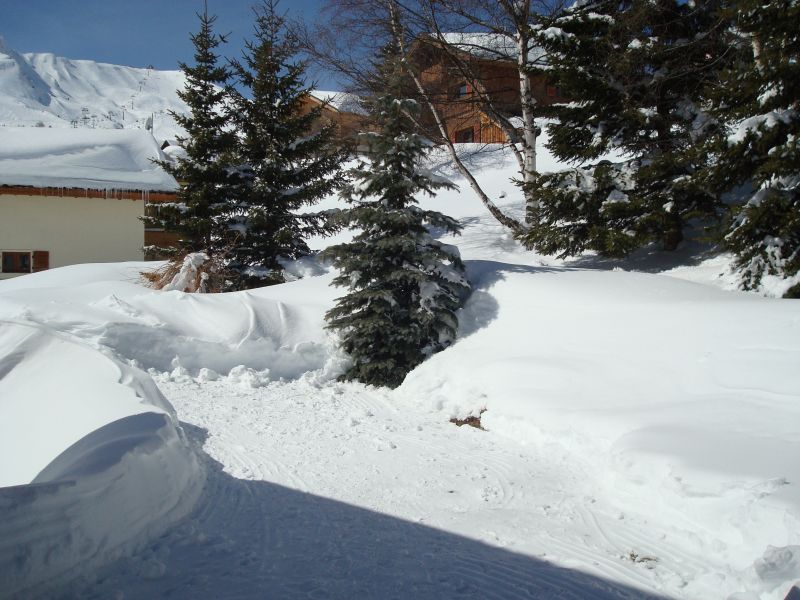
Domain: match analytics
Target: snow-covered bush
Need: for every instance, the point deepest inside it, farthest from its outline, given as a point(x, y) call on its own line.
point(194, 272)
point(586, 209)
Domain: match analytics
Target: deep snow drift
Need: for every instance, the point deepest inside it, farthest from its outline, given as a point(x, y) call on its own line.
point(640, 432)
point(99, 445)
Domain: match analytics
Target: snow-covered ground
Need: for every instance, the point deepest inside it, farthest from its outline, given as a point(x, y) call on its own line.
point(640, 436)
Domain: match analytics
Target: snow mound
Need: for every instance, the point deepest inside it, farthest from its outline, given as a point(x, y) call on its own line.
point(686, 391)
point(279, 328)
point(96, 464)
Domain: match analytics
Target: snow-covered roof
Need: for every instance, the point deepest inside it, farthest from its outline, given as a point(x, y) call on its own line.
point(106, 159)
point(494, 46)
point(341, 101)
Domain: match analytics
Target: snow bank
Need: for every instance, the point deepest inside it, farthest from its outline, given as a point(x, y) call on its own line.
point(279, 328)
point(94, 462)
point(682, 398)
point(82, 158)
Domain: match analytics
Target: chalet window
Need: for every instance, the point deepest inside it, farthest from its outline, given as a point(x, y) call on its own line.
point(24, 261)
point(465, 136)
point(463, 90)
point(553, 91)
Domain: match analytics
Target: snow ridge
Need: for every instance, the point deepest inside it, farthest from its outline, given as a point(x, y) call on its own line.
point(125, 475)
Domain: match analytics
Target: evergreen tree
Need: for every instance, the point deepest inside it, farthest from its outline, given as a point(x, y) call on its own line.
point(206, 181)
point(637, 71)
point(287, 166)
point(404, 286)
point(760, 101)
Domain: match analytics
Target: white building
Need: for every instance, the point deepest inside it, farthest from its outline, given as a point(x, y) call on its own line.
point(71, 196)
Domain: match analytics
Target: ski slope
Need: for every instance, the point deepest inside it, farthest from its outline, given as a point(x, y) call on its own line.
point(44, 90)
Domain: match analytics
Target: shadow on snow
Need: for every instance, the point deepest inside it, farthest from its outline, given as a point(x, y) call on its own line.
point(256, 539)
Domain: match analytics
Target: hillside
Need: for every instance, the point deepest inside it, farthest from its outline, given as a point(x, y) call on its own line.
point(41, 89)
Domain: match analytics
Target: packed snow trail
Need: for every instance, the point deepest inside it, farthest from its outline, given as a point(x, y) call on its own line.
point(403, 506)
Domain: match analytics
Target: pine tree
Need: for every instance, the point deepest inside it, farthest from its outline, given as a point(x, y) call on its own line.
point(760, 101)
point(637, 71)
point(404, 286)
point(206, 181)
point(286, 166)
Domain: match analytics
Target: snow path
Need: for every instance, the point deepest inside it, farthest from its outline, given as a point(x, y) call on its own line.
point(386, 501)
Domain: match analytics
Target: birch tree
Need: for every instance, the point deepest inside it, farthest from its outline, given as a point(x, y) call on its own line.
point(357, 25)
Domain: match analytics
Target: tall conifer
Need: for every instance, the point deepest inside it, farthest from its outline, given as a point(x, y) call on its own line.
point(286, 165)
point(207, 183)
point(403, 285)
point(760, 102)
point(636, 71)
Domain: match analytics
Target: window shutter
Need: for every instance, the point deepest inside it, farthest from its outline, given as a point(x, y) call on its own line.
point(41, 260)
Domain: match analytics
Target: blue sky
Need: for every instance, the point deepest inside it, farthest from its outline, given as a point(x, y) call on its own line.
point(131, 32)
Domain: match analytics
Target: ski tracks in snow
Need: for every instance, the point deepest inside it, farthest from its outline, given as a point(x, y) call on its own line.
point(340, 491)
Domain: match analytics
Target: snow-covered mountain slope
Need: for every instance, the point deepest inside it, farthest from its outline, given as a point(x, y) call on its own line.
point(52, 91)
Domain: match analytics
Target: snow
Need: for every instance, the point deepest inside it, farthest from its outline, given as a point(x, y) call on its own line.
point(493, 46)
point(639, 433)
point(767, 121)
point(99, 445)
point(341, 101)
point(82, 158)
point(44, 90)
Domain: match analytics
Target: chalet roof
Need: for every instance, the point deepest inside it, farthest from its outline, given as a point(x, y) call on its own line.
point(489, 46)
point(104, 159)
point(341, 101)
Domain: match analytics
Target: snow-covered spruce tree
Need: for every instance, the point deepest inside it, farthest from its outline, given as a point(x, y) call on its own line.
point(207, 183)
point(287, 166)
point(404, 286)
point(760, 101)
point(636, 72)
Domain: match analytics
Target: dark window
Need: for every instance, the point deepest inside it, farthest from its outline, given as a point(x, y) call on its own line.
point(16, 262)
point(465, 136)
point(462, 91)
point(553, 91)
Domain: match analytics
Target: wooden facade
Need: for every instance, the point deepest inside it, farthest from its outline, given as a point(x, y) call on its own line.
point(457, 97)
point(348, 124)
point(69, 192)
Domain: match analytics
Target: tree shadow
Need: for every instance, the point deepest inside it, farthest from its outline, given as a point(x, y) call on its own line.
point(651, 259)
point(481, 307)
point(256, 539)
point(474, 156)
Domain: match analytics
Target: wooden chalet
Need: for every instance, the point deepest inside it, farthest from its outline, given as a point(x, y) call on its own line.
point(490, 61)
point(342, 108)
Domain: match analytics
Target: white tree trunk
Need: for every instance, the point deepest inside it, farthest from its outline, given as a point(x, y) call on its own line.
point(528, 109)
